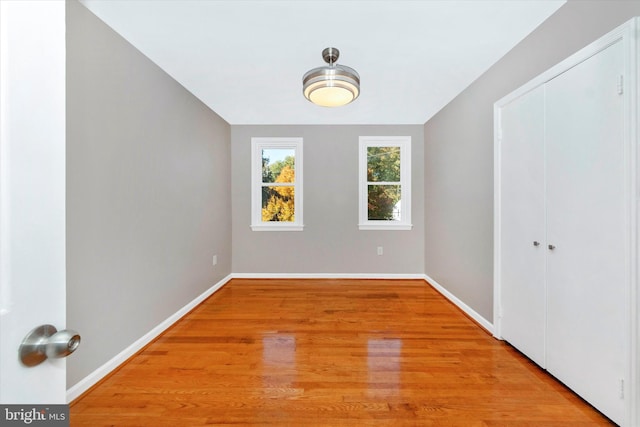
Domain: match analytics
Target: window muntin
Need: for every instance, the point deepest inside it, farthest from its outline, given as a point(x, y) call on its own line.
point(385, 183)
point(276, 202)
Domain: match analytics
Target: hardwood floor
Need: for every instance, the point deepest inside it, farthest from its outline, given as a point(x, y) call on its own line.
point(329, 353)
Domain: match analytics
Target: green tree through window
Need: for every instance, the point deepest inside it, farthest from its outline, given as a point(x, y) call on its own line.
point(383, 182)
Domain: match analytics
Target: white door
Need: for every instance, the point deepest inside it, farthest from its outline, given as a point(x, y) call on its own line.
point(587, 319)
point(522, 226)
point(32, 193)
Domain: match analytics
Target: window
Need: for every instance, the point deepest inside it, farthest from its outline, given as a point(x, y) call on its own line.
point(385, 183)
point(276, 184)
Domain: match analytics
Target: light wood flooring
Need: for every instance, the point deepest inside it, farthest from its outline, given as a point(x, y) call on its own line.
point(329, 353)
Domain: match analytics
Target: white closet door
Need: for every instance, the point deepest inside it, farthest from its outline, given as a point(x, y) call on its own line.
point(522, 234)
point(586, 222)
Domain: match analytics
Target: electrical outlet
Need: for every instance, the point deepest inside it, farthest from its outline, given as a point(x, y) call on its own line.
point(215, 259)
point(380, 250)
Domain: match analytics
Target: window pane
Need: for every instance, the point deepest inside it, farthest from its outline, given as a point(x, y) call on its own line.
point(278, 204)
point(278, 165)
point(383, 202)
point(383, 164)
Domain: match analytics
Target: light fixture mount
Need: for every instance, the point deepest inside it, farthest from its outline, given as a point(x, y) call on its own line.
point(330, 55)
point(332, 85)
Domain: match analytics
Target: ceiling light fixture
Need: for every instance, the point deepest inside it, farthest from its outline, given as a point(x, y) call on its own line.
point(333, 85)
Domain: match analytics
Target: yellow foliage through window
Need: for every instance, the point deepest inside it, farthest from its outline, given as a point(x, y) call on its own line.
point(278, 202)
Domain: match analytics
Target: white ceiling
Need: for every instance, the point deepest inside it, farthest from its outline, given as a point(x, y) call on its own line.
point(245, 59)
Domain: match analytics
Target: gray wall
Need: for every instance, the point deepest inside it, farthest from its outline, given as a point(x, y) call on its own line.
point(459, 150)
point(148, 202)
point(331, 241)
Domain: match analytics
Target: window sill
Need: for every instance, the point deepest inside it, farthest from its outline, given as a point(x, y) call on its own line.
point(279, 227)
point(385, 226)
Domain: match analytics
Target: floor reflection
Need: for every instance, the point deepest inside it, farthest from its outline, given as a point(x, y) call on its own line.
point(279, 366)
point(279, 351)
point(383, 363)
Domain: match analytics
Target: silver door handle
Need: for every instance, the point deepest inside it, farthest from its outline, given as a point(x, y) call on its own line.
point(551, 247)
point(535, 243)
point(46, 341)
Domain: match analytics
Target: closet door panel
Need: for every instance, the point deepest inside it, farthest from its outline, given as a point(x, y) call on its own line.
point(522, 224)
point(586, 284)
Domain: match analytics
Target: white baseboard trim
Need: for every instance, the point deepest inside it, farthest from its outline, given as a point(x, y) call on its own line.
point(461, 305)
point(325, 276)
point(87, 382)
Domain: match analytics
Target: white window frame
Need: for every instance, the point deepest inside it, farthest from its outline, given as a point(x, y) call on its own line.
point(404, 143)
point(257, 145)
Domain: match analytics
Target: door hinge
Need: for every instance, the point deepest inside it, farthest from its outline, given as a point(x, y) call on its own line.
point(620, 84)
point(621, 388)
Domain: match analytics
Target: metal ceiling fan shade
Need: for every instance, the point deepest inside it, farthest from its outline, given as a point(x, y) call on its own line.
point(333, 85)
